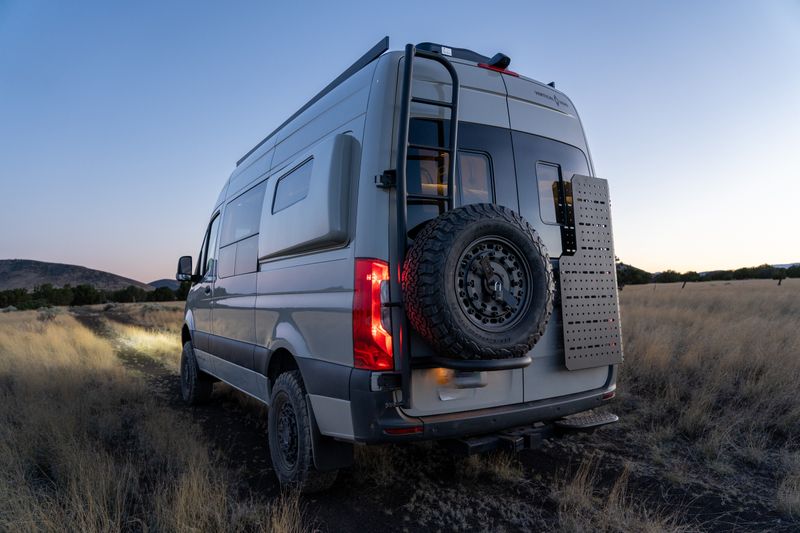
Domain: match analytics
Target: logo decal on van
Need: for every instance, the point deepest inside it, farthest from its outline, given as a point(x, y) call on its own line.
point(553, 98)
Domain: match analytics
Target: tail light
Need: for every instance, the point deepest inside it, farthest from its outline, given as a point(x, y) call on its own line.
point(372, 342)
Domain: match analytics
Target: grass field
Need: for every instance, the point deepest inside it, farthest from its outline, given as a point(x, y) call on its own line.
point(92, 437)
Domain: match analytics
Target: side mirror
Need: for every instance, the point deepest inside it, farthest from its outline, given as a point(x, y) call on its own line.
point(184, 269)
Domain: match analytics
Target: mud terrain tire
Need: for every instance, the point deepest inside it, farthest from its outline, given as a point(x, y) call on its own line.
point(196, 386)
point(290, 447)
point(477, 284)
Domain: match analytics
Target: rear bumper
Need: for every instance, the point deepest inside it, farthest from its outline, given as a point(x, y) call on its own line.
point(374, 415)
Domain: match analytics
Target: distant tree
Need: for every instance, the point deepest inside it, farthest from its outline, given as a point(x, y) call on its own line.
point(690, 276)
point(630, 275)
point(779, 274)
point(87, 295)
point(718, 275)
point(793, 271)
point(162, 294)
point(668, 276)
point(183, 290)
point(129, 294)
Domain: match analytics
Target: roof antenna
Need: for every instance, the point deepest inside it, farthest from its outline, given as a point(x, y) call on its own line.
point(552, 84)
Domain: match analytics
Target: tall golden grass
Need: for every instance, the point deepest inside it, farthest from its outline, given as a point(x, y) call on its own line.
point(85, 447)
point(715, 367)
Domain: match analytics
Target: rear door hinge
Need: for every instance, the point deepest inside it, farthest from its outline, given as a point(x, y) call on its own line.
point(387, 180)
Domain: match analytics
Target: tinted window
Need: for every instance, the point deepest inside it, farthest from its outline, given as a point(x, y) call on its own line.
point(547, 176)
point(475, 178)
point(227, 261)
point(247, 256)
point(210, 253)
point(243, 215)
point(292, 187)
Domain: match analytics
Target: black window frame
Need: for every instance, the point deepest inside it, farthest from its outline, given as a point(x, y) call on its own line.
point(202, 271)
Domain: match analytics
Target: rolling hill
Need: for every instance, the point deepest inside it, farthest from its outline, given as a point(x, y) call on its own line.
point(166, 282)
point(27, 274)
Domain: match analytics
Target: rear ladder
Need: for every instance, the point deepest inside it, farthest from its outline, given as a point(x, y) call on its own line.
point(404, 199)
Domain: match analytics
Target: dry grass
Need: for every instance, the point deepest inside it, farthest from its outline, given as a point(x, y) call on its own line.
point(162, 316)
point(501, 466)
point(85, 447)
point(788, 495)
point(716, 363)
point(164, 346)
point(582, 506)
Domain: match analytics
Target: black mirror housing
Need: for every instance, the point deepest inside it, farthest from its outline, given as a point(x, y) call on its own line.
point(184, 268)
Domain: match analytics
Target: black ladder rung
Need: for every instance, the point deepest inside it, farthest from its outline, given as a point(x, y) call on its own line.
point(432, 197)
point(428, 101)
point(431, 148)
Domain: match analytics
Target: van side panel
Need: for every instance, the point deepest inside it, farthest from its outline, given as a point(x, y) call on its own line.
point(305, 304)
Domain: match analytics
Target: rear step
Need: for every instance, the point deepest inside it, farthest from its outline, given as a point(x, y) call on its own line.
point(527, 437)
point(586, 421)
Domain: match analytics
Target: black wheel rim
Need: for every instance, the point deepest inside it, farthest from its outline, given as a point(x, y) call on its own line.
point(493, 284)
point(287, 434)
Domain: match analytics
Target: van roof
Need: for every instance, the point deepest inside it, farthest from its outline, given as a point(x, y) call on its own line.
point(460, 55)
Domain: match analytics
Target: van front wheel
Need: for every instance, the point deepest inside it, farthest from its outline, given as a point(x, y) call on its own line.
point(289, 427)
point(196, 386)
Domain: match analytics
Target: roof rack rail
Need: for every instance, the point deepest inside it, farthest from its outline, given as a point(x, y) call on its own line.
point(459, 53)
point(373, 53)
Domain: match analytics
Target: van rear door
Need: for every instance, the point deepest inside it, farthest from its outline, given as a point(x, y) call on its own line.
point(544, 170)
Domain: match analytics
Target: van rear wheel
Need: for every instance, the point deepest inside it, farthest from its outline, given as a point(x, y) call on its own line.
point(477, 284)
point(290, 445)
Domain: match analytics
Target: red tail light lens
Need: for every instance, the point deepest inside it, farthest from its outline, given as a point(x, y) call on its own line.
point(372, 344)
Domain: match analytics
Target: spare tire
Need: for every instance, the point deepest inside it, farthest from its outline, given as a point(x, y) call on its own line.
point(477, 284)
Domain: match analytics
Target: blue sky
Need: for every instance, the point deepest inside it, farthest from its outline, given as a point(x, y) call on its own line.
point(120, 121)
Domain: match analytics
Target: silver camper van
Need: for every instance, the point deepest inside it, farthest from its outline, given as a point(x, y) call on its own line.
point(422, 251)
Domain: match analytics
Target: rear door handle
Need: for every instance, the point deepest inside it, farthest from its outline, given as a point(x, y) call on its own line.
point(207, 290)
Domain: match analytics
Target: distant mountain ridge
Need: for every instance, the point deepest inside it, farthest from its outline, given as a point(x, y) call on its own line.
point(27, 274)
point(166, 282)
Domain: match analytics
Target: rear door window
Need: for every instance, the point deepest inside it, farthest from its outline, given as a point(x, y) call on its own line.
point(474, 178)
point(485, 167)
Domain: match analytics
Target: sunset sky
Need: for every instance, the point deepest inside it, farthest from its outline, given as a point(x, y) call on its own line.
point(119, 122)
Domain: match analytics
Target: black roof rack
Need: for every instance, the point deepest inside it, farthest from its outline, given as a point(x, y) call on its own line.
point(459, 53)
point(373, 53)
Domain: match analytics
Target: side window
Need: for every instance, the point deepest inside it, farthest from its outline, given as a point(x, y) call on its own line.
point(475, 178)
point(210, 250)
point(549, 183)
point(243, 215)
point(240, 227)
point(292, 187)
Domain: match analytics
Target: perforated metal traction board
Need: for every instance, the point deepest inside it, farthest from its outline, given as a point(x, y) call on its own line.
point(588, 281)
